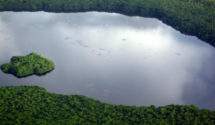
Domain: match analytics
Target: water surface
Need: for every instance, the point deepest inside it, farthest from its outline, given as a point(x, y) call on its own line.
point(111, 57)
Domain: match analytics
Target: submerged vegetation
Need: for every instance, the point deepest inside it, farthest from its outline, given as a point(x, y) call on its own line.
point(194, 17)
point(25, 105)
point(22, 66)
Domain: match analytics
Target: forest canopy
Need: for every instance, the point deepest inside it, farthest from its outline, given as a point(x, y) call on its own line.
point(193, 17)
point(26, 105)
point(34, 105)
point(33, 63)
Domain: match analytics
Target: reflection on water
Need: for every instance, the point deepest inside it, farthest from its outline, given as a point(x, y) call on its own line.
point(7, 43)
point(111, 57)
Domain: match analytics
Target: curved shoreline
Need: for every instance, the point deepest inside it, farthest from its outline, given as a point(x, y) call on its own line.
point(35, 105)
point(191, 18)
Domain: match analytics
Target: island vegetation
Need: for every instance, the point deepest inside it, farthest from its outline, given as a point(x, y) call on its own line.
point(27, 105)
point(193, 17)
point(33, 63)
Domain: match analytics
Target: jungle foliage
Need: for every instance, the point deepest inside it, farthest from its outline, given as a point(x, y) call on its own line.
point(194, 17)
point(22, 66)
point(26, 105)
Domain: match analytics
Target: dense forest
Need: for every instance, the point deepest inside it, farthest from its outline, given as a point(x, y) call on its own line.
point(33, 63)
point(26, 105)
point(194, 17)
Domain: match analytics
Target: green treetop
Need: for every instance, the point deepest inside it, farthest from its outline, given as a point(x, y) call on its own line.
point(33, 63)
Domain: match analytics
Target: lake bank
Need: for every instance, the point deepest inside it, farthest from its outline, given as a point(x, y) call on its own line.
point(111, 57)
point(34, 105)
point(189, 17)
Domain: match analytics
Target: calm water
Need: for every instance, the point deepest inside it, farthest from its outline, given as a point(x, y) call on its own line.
point(111, 57)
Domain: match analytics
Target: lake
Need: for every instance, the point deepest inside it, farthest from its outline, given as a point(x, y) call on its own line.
point(111, 57)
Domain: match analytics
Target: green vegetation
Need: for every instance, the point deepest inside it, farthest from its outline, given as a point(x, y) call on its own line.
point(34, 105)
point(22, 66)
point(194, 17)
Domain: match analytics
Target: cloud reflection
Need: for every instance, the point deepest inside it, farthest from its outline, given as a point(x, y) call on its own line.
point(8, 46)
point(114, 58)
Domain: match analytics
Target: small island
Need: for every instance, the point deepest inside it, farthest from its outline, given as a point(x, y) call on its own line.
point(33, 63)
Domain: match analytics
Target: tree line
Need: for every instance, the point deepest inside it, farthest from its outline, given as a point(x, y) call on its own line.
point(193, 17)
point(26, 105)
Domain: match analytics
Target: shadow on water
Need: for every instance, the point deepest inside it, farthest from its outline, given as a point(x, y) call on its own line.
point(20, 77)
point(201, 90)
